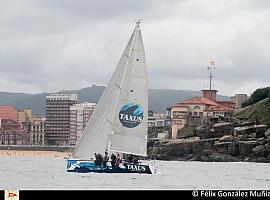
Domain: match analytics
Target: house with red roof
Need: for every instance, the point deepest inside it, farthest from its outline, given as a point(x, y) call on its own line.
point(8, 112)
point(11, 133)
point(198, 107)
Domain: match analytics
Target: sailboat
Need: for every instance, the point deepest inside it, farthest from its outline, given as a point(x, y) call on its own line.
point(120, 120)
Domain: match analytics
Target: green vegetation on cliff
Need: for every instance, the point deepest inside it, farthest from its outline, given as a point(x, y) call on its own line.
point(258, 95)
point(258, 111)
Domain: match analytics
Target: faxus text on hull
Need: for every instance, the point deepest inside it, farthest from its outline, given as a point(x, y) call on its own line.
point(231, 193)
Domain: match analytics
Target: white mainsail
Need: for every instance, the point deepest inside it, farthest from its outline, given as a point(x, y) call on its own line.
point(119, 122)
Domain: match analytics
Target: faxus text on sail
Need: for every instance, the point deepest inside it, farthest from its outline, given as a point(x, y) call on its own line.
point(227, 193)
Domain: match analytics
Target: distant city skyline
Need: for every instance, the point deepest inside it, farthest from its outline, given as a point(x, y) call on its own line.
point(49, 46)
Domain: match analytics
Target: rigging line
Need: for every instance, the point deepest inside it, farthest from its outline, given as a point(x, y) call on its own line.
point(118, 86)
point(115, 124)
point(109, 121)
point(138, 50)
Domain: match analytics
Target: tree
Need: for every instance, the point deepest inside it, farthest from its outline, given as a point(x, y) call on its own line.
point(257, 95)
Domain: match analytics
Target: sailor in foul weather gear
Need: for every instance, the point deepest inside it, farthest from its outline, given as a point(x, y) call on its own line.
point(113, 160)
point(105, 159)
point(98, 159)
point(118, 160)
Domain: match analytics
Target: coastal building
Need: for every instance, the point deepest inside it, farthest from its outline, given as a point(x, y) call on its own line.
point(151, 119)
point(179, 115)
point(79, 117)
point(8, 112)
point(34, 125)
point(186, 112)
point(36, 129)
point(159, 125)
point(57, 126)
point(151, 122)
point(210, 94)
point(25, 116)
point(163, 135)
point(239, 99)
point(158, 119)
point(11, 133)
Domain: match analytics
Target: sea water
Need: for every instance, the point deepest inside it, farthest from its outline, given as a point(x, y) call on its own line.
point(41, 173)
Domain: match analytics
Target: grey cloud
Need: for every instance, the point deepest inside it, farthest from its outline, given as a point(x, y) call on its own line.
point(57, 45)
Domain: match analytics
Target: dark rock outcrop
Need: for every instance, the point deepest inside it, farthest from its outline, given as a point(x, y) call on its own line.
point(220, 143)
point(204, 132)
point(267, 133)
point(260, 151)
point(245, 147)
point(221, 129)
point(186, 132)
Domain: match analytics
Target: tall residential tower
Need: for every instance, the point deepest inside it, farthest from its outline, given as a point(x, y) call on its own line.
point(57, 127)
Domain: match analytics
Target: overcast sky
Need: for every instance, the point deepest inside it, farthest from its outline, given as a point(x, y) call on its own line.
point(49, 45)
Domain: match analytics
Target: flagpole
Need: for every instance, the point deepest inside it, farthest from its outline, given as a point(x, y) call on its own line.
point(210, 78)
point(212, 64)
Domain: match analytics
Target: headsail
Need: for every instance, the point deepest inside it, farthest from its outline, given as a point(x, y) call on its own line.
point(126, 93)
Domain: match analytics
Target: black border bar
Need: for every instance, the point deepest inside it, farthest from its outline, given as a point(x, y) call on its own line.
point(130, 194)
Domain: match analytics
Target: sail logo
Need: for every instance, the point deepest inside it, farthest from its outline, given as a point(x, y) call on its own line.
point(131, 115)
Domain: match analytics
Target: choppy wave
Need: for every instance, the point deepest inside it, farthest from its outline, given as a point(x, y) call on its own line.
point(50, 173)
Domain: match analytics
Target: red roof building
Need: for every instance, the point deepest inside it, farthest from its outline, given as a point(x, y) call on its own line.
point(11, 133)
point(183, 112)
point(208, 105)
point(8, 112)
point(198, 100)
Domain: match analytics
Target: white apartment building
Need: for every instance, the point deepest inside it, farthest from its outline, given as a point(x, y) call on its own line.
point(80, 114)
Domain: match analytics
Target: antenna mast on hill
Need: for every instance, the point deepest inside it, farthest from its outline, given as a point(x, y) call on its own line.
point(211, 67)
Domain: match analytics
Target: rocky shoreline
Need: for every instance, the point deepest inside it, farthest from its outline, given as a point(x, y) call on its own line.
point(222, 142)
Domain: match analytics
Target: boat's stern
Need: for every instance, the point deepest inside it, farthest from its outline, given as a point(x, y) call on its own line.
point(154, 170)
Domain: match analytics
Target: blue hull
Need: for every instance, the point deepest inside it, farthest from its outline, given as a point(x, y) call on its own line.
point(87, 166)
